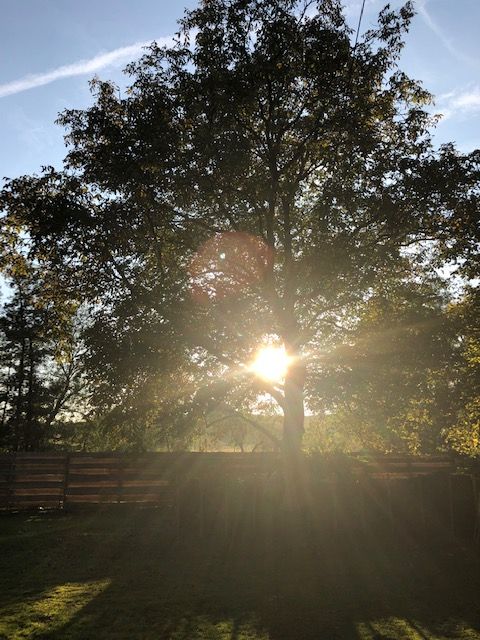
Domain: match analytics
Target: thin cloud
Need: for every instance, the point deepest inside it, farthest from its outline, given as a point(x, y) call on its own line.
point(468, 100)
point(353, 7)
point(460, 102)
point(446, 41)
point(80, 68)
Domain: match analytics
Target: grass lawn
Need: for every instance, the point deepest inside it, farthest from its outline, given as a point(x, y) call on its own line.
point(119, 574)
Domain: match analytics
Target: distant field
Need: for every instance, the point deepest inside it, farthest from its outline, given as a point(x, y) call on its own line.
point(119, 574)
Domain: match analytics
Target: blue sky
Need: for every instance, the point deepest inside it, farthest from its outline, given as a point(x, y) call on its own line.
point(49, 49)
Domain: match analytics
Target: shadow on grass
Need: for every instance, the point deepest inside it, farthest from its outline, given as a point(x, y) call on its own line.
point(123, 575)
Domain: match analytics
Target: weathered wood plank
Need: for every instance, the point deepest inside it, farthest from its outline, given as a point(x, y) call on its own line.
point(36, 485)
point(38, 499)
point(110, 489)
point(113, 482)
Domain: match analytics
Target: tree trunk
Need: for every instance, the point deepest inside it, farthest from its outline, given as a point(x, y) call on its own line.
point(30, 439)
point(17, 416)
point(293, 411)
point(7, 396)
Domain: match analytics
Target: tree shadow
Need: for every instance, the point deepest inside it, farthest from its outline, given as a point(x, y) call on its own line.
point(240, 585)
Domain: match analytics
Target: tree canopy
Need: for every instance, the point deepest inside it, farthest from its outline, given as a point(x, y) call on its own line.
point(261, 180)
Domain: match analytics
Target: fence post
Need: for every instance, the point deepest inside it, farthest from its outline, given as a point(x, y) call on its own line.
point(476, 513)
point(335, 502)
point(363, 515)
point(450, 506)
point(177, 506)
point(422, 505)
point(65, 479)
point(119, 480)
point(390, 505)
point(10, 481)
point(225, 508)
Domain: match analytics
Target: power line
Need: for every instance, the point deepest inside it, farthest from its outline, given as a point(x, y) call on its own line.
point(359, 23)
point(350, 70)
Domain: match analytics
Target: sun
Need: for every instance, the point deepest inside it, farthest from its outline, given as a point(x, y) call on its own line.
point(271, 363)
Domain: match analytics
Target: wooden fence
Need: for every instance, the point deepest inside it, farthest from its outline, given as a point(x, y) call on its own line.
point(429, 493)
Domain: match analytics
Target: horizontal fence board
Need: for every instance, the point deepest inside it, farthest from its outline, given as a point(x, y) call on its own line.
point(36, 491)
point(113, 471)
point(412, 473)
point(97, 462)
point(119, 497)
point(37, 499)
point(115, 489)
point(144, 482)
point(35, 485)
point(147, 497)
point(39, 457)
point(92, 471)
point(104, 482)
point(52, 505)
point(38, 477)
point(40, 462)
point(113, 482)
point(92, 499)
point(38, 470)
point(95, 490)
point(427, 464)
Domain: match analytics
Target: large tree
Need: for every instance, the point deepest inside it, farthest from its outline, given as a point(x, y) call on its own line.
point(254, 183)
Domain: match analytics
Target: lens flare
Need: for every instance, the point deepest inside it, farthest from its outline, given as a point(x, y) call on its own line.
point(227, 265)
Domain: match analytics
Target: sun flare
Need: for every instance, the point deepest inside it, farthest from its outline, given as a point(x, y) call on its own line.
point(271, 363)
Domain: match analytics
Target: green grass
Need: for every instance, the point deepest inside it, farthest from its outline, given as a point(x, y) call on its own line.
point(120, 575)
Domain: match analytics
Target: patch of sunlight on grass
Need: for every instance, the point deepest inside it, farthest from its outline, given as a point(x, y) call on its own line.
point(400, 629)
point(49, 612)
point(203, 628)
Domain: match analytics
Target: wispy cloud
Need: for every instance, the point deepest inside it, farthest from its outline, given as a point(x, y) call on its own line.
point(446, 41)
point(80, 68)
point(353, 7)
point(459, 102)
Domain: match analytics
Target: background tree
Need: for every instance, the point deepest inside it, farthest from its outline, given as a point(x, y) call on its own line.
point(40, 361)
point(463, 432)
point(255, 183)
point(393, 384)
